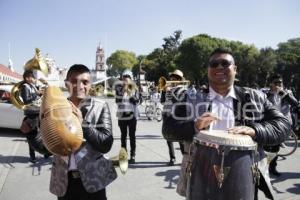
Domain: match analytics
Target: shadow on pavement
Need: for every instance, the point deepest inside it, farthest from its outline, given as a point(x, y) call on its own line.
point(149, 164)
point(139, 137)
point(285, 176)
point(295, 189)
point(6, 132)
point(37, 167)
point(171, 177)
point(23, 159)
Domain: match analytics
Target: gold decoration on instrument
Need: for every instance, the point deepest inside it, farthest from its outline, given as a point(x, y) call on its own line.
point(60, 128)
point(163, 83)
point(96, 90)
point(121, 160)
point(36, 63)
point(15, 96)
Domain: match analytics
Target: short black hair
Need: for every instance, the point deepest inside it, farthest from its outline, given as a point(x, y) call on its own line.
point(28, 73)
point(275, 77)
point(221, 51)
point(77, 68)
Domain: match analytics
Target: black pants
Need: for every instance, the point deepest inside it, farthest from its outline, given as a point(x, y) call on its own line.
point(30, 137)
point(76, 191)
point(273, 149)
point(31, 152)
point(171, 149)
point(131, 126)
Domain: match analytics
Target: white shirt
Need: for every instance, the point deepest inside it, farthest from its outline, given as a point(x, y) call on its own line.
point(223, 108)
point(72, 163)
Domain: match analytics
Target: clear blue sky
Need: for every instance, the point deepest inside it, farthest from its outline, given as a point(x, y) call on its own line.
point(70, 30)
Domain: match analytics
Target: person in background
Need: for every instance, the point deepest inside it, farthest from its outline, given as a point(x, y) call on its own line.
point(84, 174)
point(127, 99)
point(284, 101)
point(30, 94)
point(169, 96)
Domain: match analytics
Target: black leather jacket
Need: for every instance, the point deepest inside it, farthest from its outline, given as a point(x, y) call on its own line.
point(28, 93)
point(97, 125)
point(252, 108)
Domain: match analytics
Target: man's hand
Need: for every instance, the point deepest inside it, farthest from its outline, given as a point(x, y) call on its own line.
point(244, 130)
point(204, 120)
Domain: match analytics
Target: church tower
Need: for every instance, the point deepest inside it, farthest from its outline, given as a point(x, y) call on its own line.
point(100, 59)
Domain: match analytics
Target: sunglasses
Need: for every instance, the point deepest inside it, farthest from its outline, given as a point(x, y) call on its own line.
point(224, 63)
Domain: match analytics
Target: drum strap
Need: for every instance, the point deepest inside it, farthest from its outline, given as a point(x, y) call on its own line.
point(188, 171)
point(255, 170)
point(221, 172)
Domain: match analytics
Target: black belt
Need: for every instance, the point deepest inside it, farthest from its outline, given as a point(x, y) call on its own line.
point(74, 174)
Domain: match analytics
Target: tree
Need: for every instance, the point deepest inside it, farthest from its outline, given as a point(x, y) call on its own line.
point(193, 57)
point(288, 58)
point(266, 63)
point(195, 51)
point(170, 51)
point(121, 60)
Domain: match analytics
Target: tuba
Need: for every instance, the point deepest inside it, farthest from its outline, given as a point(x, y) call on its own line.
point(36, 63)
point(60, 127)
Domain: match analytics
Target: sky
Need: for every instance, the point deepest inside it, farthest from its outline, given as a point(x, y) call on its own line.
point(70, 30)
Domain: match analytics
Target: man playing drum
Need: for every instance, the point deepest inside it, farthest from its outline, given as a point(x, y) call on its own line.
point(229, 109)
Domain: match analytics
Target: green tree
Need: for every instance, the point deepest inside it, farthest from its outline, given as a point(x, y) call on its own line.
point(195, 51)
point(288, 58)
point(161, 60)
point(121, 60)
point(245, 59)
point(193, 57)
point(170, 50)
point(266, 63)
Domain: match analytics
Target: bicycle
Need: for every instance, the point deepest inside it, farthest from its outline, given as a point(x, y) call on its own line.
point(289, 146)
point(153, 112)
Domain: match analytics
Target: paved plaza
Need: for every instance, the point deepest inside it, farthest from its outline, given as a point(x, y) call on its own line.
point(149, 178)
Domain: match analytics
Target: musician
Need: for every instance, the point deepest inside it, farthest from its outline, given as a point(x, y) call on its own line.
point(127, 99)
point(225, 106)
point(82, 176)
point(284, 100)
point(29, 94)
point(169, 96)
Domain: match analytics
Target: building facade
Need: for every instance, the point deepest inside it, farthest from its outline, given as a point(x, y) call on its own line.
point(8, 76)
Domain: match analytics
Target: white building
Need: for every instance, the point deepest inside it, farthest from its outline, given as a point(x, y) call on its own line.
point(9, 76)
point(55, 76)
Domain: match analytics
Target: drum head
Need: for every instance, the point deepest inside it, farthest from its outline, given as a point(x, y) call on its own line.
point(220, 138)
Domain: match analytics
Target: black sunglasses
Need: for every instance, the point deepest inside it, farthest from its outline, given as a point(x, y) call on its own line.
point(224, 63)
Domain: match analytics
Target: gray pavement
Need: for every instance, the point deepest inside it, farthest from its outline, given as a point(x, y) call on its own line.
point(149, 178)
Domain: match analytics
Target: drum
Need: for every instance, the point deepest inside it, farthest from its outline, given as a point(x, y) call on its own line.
point(222, 166)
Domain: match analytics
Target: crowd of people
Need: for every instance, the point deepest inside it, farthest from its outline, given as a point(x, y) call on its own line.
point(187, 112)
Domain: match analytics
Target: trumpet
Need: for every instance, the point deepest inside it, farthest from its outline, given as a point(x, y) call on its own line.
point(163, 83)
point(130, 88)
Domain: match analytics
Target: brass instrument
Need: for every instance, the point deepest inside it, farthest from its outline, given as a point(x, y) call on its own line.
point(130, 88)
point(163, 83)
point(121, 160)
point(36, 63)
point(60, 127)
